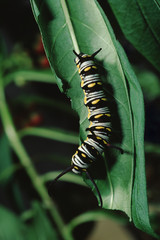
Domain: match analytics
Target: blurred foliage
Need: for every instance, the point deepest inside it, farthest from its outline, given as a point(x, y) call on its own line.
point(150, 84)
point(139, 21)
point(39, 227)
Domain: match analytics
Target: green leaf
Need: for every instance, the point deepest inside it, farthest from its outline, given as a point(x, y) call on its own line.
point(10, 225)
point(53, 20)
point(40, 227)
point(139, 21)
point(6, 159)
point(7, 169)
point(68, 25)
point(96, 215)
point(8, 172)
point(139, 197)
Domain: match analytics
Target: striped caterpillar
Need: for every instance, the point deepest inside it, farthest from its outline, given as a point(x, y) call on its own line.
point(98, 115)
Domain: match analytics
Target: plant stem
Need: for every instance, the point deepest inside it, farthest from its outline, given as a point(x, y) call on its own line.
point(52, 133)
point(27, 164)
point(21, 76)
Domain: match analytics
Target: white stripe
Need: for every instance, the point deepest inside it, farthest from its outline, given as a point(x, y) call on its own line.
point(85, 150)
point(96, 145)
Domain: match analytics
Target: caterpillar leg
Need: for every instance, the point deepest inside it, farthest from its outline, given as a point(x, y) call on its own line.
point(97, 190)
point(69, 169)
point(118, 148)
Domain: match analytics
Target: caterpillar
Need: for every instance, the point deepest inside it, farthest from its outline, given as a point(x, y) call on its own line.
point(98, 115)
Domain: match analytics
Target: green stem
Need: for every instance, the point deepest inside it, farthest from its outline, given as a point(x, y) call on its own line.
point(53, 133)
point(86, 217)
point(30, 75)
point(27, 164)
point(96, 215)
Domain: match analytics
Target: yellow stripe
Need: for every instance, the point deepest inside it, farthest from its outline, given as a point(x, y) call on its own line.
point(108, 114)
point(108, 129)
point(99, 127)
point(105, 142)
point(82, 83)
point(90, 124)
point(89, 113)
point(84, 170)
point(104, 99)
point(95, 101)
point(75, 154)
point(75, 167)
point(87, 69)
point(99, 83)
point(94, 67)
point(83, 155)
point(91, 85)
point(86, 56)
point(99, 138)
point(98, 116)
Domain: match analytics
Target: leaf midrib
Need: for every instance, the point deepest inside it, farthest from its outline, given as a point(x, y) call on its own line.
point(70, 25)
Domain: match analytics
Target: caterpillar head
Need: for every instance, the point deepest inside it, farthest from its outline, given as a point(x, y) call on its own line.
point(81, 57)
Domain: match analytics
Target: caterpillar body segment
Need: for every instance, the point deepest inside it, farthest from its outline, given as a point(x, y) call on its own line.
point(99, 116)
